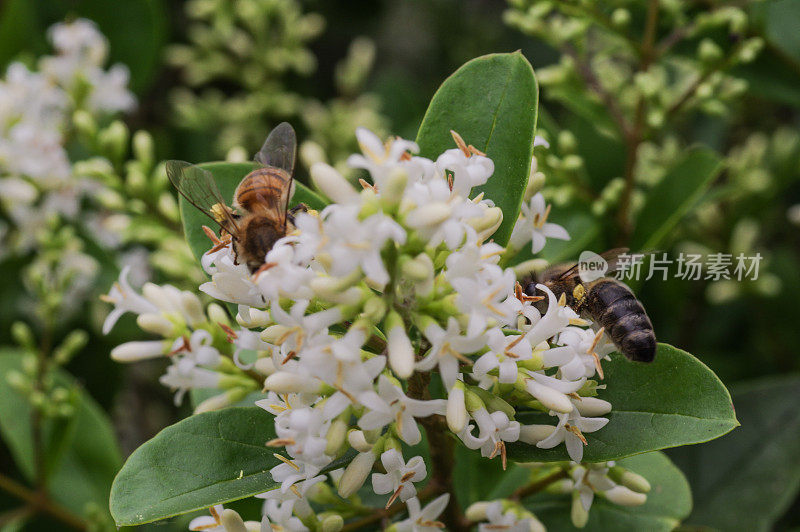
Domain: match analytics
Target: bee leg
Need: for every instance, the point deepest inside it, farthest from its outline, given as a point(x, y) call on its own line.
point(291, 213)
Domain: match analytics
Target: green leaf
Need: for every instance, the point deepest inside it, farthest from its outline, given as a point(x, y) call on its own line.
point(669, 501)
point(206, 459)
point(747, 480)
point(83, 460)
point(674, 400)
point(673, 197)
point(228, 176)
point(491, 102)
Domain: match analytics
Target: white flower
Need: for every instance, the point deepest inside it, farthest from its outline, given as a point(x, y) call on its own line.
point(438, 215)
point(281, 518)
point(508, 521)
point(390, 404)
point(469, 170)
point(448, 347)
point(184, 375)
point(380, 159)
point(282, 274)
point(303, 432)
point(355, 243)
point(504, 353)
point(399, 477)
point(423, 519)
point(493, 431)
point(570, 431)
point(532, 226)
point(125, 299)
point(219, 518)
point(229, 281)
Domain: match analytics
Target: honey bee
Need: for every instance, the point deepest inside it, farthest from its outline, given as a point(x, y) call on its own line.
point(260, 214)
point(609, 303)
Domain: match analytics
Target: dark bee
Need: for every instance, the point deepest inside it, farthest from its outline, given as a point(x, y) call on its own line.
point(260, 215)
point(608, 302)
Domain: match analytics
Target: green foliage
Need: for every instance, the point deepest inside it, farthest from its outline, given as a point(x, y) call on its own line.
point(81, 451)
point(747, 480)
point(491, 102)
point(648, 414)
point(203, 460)
point(228, 176)
point(668, 503)
point(674, 196)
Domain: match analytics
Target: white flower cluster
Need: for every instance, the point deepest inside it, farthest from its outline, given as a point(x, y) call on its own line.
point(354, 311)
point(582, 482)
point(35, 111)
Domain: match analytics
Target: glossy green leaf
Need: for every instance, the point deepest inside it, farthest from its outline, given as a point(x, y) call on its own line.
point(206, 459)
point(491, 102)
point(674, 400)
point(669, 501)
point(228, 176)
point(747, 480)
point(83, 459)
point(672, 198)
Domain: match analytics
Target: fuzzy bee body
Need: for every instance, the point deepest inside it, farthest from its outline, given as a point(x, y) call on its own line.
point(609, 303)
point(260, 213)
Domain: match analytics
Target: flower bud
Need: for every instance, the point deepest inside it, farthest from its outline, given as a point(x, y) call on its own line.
point(217, 314)
point(621, 17)
point(330, 288)
point(265, 366)
point(578, 514)
point(488, 223)
point(593, 407)
point(456, 408)
point(237, 154)
point(358, 441)
point(285, 382)
point(74, 342)
point(398, 345)
point(223, 400)
point(533, 434)
point(84, 123)
point(473, 402)
point(332, 184)
point(629, 479)
point(114, 140)
point(156, 324)
point(477, 511)
point(23, 335)
point(355, 474)
point(143, 148)
point(624, 496)
point(331, 523)
point(135, 351)
point(393, 187)
point(168, 207)
point(420, 268)
point(312, 153)
point(708, 51)
point(336, 436)
point(231, 521)
point(192, 308)
point(550, 398)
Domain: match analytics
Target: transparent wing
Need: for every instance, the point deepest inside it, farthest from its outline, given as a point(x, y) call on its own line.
point(199, 189)
point(611, 257)
point(279, 149)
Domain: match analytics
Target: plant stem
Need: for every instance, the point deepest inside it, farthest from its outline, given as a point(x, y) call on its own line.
point(40, 501)
point(442, 450)
point(539, 485)
point(635, 135)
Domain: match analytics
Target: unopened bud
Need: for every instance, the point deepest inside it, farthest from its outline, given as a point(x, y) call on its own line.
point(156, 324)
point(708, 51)
point(23, 335)
point(488, 223)
point(456, 408)
point(550, 398)
point(312, 153)
point(265, 366)
point(231, 521)
point(393, 187)
point(143, 149)
point(400, 350)
point(593, 407)
point(533, 434)
point(355, 474)
point(72, 344)
point(84, 123)
point(431, 214)
point(332, 184)
point(336, 436)
point(578, 514)
point(135, 351)
point(358, 441)
point(285, 382)
point(332, 523)
point(629, 479)
point(114, 140)
point(624, 496)
point(223, 400)
point(217, 314)
point(621, 17)
point(477, 511)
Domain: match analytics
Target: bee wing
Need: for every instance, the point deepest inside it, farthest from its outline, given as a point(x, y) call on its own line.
point(611, 257)
point(278, 153)
point(199, 189)
point(279, 149)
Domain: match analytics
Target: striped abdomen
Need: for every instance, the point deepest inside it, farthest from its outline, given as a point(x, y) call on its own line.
point(612, 305)
point(264, 191)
